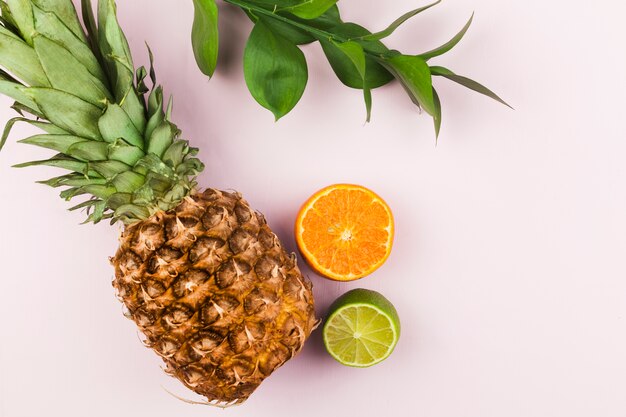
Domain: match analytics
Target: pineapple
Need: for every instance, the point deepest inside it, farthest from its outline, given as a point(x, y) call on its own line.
point(200, 273)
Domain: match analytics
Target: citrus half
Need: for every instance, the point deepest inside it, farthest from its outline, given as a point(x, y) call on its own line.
point(345, 231)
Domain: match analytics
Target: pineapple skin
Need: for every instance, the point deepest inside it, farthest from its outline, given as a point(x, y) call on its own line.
point(215, 294)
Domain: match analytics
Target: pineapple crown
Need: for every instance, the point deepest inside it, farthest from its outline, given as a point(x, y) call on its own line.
point(80, 87)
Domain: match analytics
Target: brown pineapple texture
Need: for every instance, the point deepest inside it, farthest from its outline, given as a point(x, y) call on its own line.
point(215, 294)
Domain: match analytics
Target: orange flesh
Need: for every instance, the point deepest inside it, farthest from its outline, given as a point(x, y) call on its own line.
point(345, 232)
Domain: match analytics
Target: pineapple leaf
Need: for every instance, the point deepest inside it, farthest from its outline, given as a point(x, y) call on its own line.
point(204, 35)
point(17, 92)
point(66, 73)
point(122, 151)
point(22, 13)
point(74, 180)
point(17, 57)
point(161, 139)
point(66, 12)
point(89, 151)
point(448, 45)
point(49, 25)
point(68, 111)
point(7, 18)
point(59, 143)
point(131, 211)
point(64, 162)
point(119, 199)
point(128, 182)
point(109, 169)
point(115, 123)
point(46, 127)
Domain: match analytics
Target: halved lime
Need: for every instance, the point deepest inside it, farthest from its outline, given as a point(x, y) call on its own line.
point(362, 328)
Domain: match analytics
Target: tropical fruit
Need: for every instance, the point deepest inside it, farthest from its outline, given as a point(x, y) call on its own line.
point(200, 272)
point(362, 328)
point(345, 231)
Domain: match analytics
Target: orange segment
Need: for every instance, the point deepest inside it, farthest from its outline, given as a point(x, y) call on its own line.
point(345, 232)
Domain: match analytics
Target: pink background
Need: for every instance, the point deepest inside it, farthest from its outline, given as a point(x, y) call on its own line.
point(508, 266)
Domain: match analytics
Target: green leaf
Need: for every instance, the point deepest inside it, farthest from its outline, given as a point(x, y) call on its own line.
point(72, 180)
point(355, 53)
point(115, 50)
point(448, 45)
point(154, 164)
point(204, 35)
point(92, 29)
point(288, 31)
point(161, 139)
point(175, 154)
point(69, 112)
point(376, 74)
point(466, 82)
point(109, 169)
point(65, 11)
point(17, 92)
point(64, 162)
point(396, 23)
point(89, 151)
point(59, 143)
point(66, 73)
point(128, 182)
point(97, 190)
point(414, 74)
point(47, 127)
point(20, 59)
point(310, 9)
point(22, 13)
point(121, 151)
point(275, 70)
point(7, 18)
point(49, 25)
point(437, 115)
point(115, 124)
point(131, 211)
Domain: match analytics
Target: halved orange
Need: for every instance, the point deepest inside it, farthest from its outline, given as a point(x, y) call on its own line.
point(345, 231)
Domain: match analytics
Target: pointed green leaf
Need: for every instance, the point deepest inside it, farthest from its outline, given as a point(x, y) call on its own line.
point(376, 74)
point(66, 73)
point(20, 59)
point(68, 112)
point(204, 35)
point(161, 139)
point(128, 182)
point(72, 180)
point(310, 9)
point(414, 74)
point(115, 124)
point(89, 151)
point(396, 23)
point(59, 143)
point(154, 164)
point(22, 13)
point(175, 154)
point(355, 53)
point(121, 151)
point(46, 127)
point(49, 25)
point(275, 70)
point(64, 162)
point(437, 115)
point(115, 49)
point(135, 109)
point(99, 191)
point(85, 204)
point(466, 82)
point(132, 211)
point(448, 45)
point(66, 12)
point(7, 18)
point(118, 199)
point(109, 169)
point(98, 213)
point(17, 92)
point(92, 29)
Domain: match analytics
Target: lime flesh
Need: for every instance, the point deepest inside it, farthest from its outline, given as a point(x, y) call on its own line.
point(362, 328)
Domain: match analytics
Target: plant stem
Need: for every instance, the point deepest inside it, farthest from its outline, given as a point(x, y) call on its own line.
point(318, 33)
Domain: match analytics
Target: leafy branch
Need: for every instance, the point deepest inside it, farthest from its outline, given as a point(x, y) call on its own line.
point(275, 69)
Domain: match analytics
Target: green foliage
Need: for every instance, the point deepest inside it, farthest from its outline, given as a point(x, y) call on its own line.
point(121, 150)
point(275, 71)
point(204, 35)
